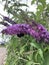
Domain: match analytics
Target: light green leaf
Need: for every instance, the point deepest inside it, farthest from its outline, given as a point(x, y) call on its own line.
point(33, 1)
point(40, 8)
point(29, 63)
point(36, 45)
point(46, 59)
point(41, 53)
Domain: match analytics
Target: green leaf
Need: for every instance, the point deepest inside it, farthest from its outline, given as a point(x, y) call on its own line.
point(41, 53)
point(20, 4)
point(46, 59)
point(22, 49)
point(29, 63)
point(36, 45)
point(33, 1)
point(43, 2)
point(40, 8)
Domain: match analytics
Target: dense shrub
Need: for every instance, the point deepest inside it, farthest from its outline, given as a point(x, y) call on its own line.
point(27, 46)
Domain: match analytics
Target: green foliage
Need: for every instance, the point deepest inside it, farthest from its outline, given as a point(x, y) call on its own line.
point(14, 8)
point(25, 50)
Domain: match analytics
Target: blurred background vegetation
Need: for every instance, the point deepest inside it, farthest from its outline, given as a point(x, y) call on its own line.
point(25, 50)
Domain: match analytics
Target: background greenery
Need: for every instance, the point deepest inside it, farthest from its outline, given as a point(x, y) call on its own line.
point(25, 50)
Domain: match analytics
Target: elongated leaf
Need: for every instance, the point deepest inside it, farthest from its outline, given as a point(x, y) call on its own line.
point(46, 59)
point(33, 1)
point(20, 4)
point(41, 53)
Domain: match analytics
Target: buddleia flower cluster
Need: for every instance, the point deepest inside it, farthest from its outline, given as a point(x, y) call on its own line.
point(38, 31)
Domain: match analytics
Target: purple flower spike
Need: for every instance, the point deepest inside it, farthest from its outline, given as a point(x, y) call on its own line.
point(9, 20)
point(16, 29)
point(22, 29)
